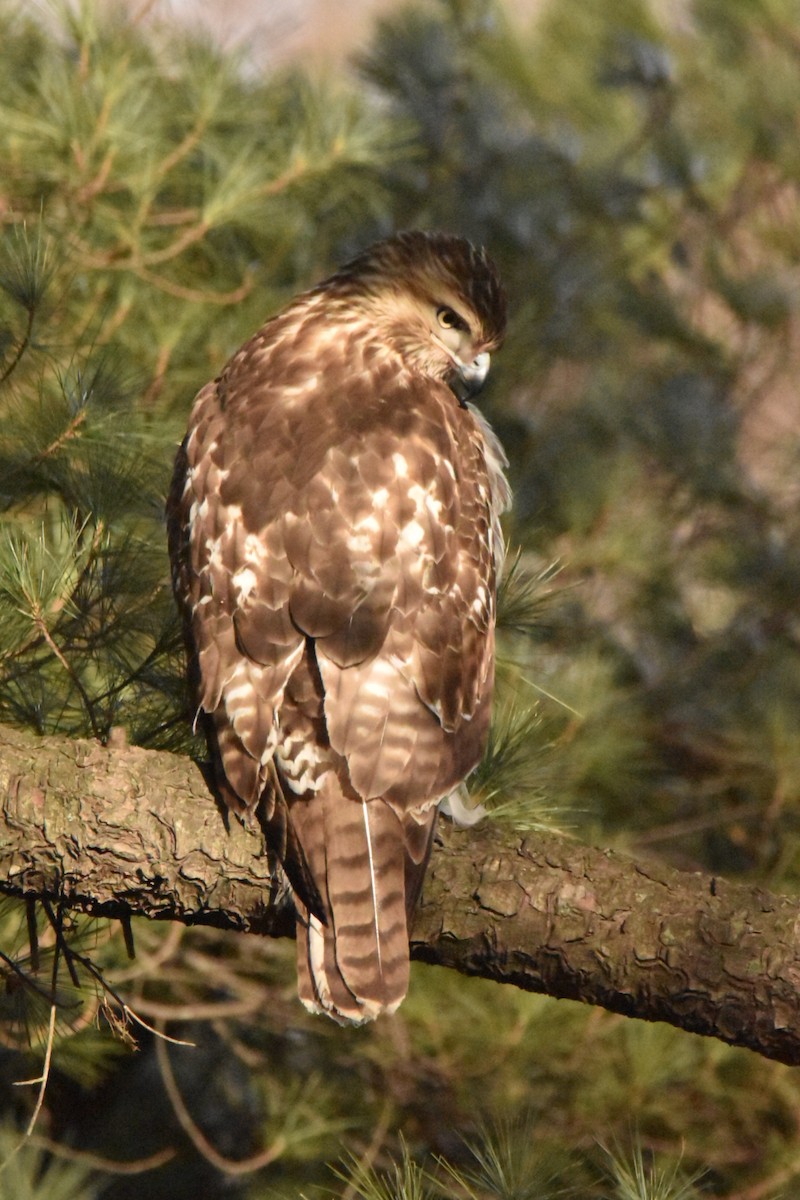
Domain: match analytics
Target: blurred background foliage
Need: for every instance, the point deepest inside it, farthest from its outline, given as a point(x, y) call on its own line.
point(634, 169)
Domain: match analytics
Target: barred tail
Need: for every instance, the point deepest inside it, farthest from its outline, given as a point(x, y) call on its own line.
point(355, 965)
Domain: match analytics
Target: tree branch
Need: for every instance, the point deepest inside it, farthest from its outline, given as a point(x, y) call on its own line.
point(135, 831)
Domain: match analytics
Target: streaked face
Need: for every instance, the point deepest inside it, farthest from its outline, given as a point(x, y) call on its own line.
point(438, 332)
point(433, 298)
point(470, 363)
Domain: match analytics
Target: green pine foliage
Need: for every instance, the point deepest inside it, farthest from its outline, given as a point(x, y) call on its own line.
point(635, 172)
point(29, 1173)
point(510, 1161)
point(635, 1179)
point(405, 1179)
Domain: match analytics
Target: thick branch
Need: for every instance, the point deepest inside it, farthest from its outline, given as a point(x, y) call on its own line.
point(118, 831)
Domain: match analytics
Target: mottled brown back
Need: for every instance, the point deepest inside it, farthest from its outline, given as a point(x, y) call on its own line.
point(335, 542)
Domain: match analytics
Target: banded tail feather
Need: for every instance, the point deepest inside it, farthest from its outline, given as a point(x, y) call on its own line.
point(355, 964)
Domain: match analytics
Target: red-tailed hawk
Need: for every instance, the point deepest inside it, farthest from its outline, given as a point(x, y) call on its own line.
point(335, 539)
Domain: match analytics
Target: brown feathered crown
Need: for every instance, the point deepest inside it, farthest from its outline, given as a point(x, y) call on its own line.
point(423, 262)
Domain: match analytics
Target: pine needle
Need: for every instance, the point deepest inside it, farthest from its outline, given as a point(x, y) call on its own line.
point(403, 1180)
point(511, 1163)
point(636, 1179)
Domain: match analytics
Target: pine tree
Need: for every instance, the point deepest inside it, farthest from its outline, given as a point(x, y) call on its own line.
point(635, 175)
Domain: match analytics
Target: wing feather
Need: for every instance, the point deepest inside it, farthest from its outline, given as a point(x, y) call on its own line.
point(369, 551)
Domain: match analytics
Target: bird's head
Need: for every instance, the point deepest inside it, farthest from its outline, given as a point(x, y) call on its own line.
point(435, 299)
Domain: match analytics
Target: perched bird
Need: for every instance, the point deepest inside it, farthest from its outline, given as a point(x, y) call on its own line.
point(335, 541)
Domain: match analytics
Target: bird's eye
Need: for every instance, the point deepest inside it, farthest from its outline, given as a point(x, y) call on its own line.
point(449, 319)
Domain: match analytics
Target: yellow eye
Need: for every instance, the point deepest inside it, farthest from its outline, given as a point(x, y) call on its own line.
point(448, 319)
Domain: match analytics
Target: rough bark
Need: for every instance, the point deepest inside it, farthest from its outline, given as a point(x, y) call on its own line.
point(131, 831)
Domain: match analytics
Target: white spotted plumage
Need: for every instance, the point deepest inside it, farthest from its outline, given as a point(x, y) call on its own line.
point(335, 537)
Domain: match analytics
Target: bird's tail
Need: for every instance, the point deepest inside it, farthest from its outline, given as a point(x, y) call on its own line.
point(354, 965)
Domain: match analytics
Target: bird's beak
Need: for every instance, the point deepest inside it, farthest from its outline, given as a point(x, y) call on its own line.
point(469, 378)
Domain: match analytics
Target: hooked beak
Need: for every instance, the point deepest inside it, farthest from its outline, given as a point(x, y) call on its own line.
point(468, 378)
